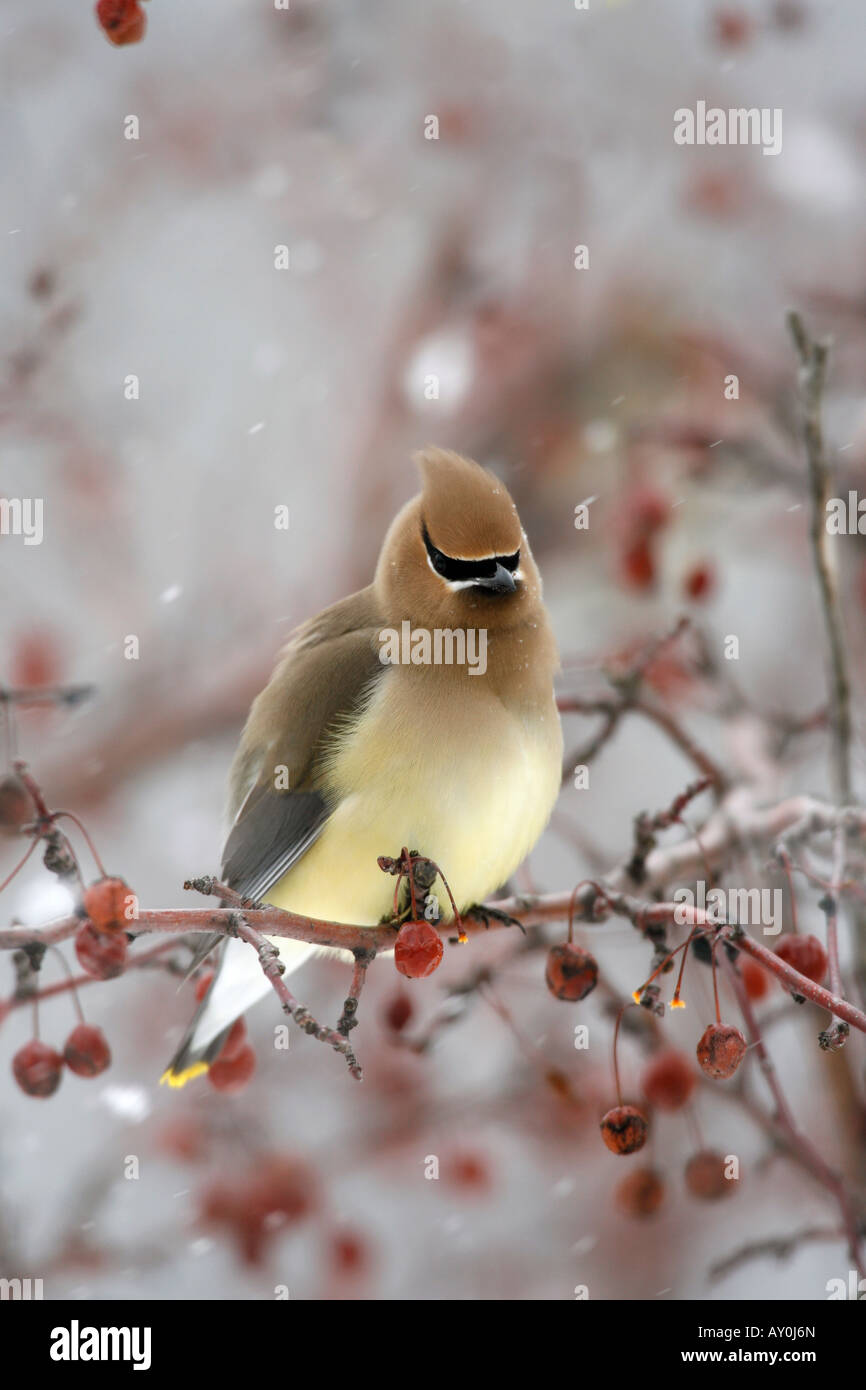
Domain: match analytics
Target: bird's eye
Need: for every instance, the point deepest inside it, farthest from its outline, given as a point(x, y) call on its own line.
point(466, 571)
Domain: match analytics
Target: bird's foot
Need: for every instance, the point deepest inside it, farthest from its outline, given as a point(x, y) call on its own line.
point(483, 912)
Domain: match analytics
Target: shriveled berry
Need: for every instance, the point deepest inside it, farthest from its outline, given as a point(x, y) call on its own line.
point(37, 1068)
point(105, 903)
point(418, 950)
point(86, 1051)
point(721, 1050)
point(232, 1074)
point(102, 954)
point(122, 21)
point(806, 954)
point(669, 1079)
point(641, 1192)
point(705, 1176)
point(398, 1011)
point(571, 972)
point(624, 1129)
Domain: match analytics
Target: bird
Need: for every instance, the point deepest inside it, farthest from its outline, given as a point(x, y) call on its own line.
point(360, 745)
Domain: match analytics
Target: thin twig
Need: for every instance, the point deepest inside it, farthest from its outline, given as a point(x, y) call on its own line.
point(813, 375)
point(273, 968)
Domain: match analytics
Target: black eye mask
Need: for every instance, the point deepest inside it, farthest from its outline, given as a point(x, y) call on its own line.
point(467, 570)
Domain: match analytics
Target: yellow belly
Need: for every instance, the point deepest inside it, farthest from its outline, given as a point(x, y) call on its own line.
point(474, 798)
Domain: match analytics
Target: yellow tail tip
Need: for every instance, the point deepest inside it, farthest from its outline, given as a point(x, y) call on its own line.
point(176, 1079)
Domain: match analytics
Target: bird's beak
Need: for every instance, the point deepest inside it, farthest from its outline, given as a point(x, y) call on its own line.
point(502, 582)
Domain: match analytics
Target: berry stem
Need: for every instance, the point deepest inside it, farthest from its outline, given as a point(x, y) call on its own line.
point(636, 994)
point(677, 1002)
point(615, 1060)
point(715, 978)
point(90, 845)
point(71, 981)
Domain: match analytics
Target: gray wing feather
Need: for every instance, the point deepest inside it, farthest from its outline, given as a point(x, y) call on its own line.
point(272, 831)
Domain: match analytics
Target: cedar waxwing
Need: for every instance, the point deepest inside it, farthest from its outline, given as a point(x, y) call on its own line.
point(417, 712)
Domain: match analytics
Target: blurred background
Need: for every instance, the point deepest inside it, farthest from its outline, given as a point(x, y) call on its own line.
point(412, 259)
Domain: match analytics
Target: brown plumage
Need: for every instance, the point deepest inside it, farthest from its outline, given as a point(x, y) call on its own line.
point(344, 758)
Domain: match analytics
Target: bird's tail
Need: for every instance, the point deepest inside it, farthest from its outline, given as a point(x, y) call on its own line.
point(239, 982)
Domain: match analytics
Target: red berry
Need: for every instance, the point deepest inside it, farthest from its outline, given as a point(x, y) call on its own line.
point(235, 1206)
point(641, 1192)
point(203, 984)
point(37, 1068)
point(254, 1207)
point(648, 511)
point(87, 1052)
point(721, 1050)
point(668, 1080)
point(469, 1171)
point(183, 1138)
point(16, 808)
point(398, 1011)
point(122, 21)
point(638, 565)
point(220, 1201)
point(417, 950)
point(624, 1129)
point(711, 193)
point(560, 1085)
point(102, 954)
point(705, 1176)
point(36, 658)
point(284, 1186)
point(571, 973)
point(349, 1253)
point(755, 978)
point(699, 582)
point(232, 1074)
point(806, 954)
point(235, 1041)
point(732, 27)
point(105, 903)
